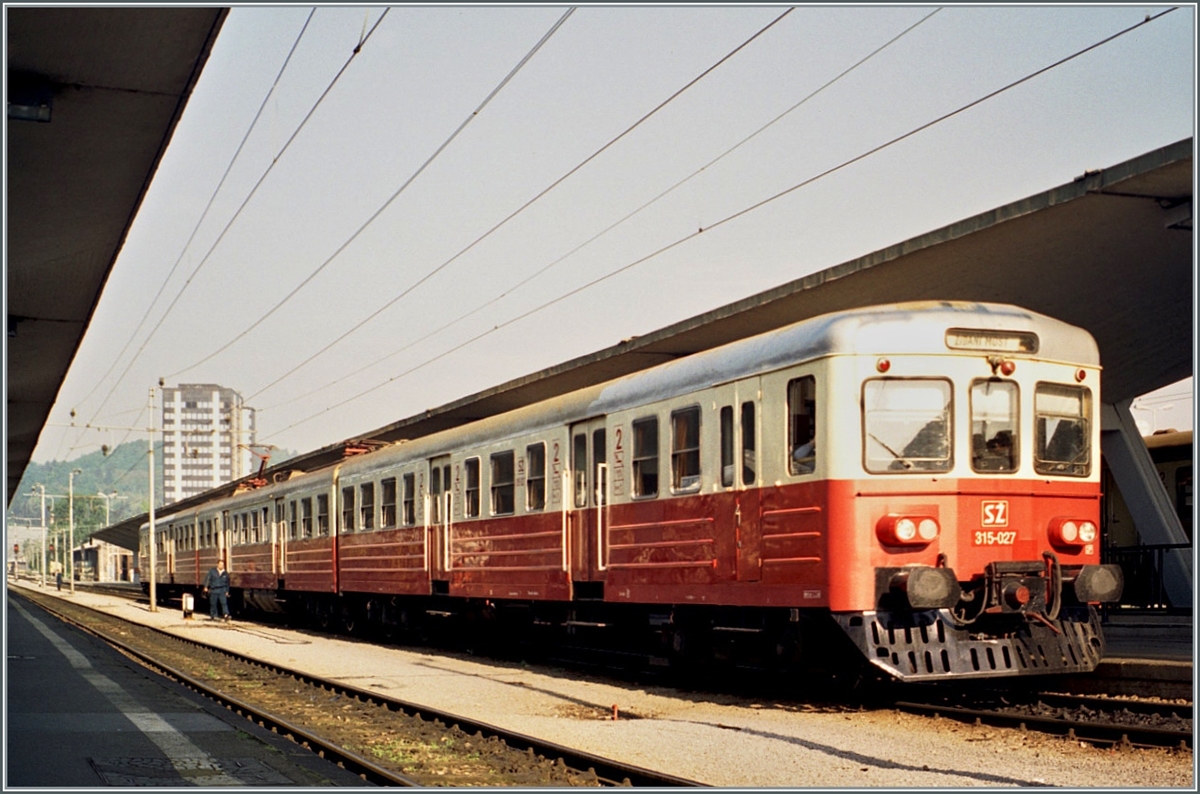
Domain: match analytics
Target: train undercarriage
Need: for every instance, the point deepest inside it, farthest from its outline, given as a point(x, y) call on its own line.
point(1015, 618)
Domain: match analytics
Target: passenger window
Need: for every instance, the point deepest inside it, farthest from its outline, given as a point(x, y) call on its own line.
point(348, 509)
point(685, 450)
point(802, 425)
point(994, 425)
point(387, 503)
point(749, 450)
point(727, 446)
point(471, 491)
point(645, 457)
point(1062, 415)
point(907, 425)
point(503, 483)
point(292, 517)
point(410, 500)
point(366, 506)
point(323, 515)
point(306, 517)
point(535, 481)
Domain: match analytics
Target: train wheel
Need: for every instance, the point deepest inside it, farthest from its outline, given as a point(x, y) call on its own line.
point(788, 649)
point(322, 614)
point(349, 620)
point(389, 621)
point(686, 651)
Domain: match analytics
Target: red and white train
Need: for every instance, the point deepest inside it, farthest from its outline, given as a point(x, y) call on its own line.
point(924, 476)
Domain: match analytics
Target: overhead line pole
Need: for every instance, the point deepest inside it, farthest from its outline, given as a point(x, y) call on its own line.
point(42, 488)
point(152, 540)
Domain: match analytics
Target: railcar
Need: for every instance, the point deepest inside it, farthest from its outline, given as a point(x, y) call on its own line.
point(919, 479)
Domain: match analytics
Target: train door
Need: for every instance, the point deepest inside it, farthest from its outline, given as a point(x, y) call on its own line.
point(170, 555)
point(439, 518)
point(588, 500)
point(225, 539)
point(738, 414)
point(279, 538)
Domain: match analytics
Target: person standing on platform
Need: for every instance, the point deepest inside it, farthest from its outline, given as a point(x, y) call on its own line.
point(216, 584)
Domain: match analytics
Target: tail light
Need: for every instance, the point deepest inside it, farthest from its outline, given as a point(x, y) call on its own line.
point(896, 530)
point(1072, 532)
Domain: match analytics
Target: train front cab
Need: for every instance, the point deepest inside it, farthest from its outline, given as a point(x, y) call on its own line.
point(973, 492)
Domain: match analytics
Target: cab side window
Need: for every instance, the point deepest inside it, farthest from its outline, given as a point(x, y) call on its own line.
point(802, 425)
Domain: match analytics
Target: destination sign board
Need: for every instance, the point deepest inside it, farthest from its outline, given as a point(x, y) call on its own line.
point(991, 341)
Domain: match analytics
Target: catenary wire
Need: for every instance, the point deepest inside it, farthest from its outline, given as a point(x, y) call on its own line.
point(520, 209)
point(203, 215)
point(374, 216)
point(237, 213)
point(595, 237)
point(734, 216)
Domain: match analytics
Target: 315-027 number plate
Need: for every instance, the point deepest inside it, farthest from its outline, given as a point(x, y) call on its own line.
point(995, 538)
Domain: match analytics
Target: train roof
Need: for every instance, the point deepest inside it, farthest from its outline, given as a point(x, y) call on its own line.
point(894, 329)
point(918, 328)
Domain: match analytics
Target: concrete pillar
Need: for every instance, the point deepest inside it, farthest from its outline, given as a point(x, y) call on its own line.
point(1153, 514)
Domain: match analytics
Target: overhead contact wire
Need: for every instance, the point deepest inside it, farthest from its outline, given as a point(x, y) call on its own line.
point(196, 228)
point(520, 209)
point(734, 216)
point(274, 161)
point(385, 204)
point(605, 231)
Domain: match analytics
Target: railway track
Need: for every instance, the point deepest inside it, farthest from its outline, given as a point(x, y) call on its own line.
point(1102, 721)
point(384, 740)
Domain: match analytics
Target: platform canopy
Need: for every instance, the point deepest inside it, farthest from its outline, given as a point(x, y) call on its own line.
point(1111, 252)
point(94, 95)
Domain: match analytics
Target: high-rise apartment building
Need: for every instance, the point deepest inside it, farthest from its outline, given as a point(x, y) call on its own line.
point(206, 431)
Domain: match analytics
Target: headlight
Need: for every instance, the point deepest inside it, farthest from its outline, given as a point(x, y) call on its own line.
point(1072, 533)
point(894, 530)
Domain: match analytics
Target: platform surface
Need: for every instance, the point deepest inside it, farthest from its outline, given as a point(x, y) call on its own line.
point(80, 715)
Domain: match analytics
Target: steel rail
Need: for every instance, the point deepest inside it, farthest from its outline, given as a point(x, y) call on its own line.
point(1093, 732)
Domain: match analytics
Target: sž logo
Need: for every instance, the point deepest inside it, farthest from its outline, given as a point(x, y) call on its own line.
point(995, 513)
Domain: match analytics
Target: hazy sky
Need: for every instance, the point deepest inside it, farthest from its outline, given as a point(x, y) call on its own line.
point(399, 206)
